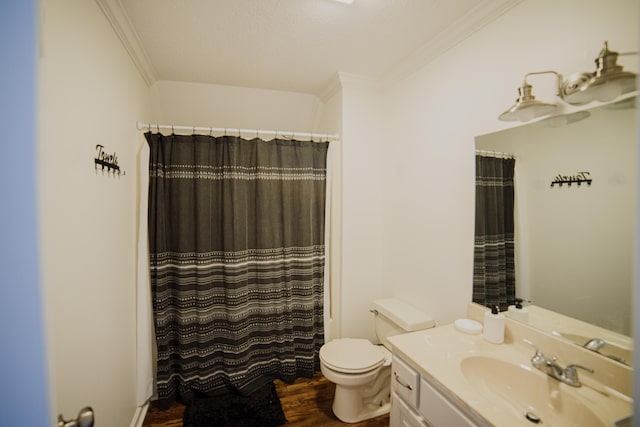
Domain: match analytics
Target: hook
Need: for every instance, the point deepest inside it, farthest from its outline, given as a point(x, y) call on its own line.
point(211, 131)
point(172, 131)
point(194, 130)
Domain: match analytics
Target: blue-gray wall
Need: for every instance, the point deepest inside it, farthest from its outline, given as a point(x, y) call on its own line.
point(23, 372)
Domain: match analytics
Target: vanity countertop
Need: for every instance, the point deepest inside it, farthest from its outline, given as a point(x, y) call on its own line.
point(438, 354)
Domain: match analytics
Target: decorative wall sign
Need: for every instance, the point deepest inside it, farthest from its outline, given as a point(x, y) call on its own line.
point(108, 162)
point(578, 178)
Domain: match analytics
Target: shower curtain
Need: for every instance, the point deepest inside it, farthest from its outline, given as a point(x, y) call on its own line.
point(236, 248)
point(494, 281)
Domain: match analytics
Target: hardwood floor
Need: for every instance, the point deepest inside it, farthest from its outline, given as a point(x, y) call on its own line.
point(306, 403)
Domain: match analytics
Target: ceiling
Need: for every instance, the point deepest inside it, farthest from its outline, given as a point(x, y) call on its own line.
point(291, 45)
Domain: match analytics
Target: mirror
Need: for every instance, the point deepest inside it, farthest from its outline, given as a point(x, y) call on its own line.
point(575, 210)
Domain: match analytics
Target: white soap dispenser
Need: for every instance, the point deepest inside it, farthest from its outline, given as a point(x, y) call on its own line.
point(494, 325)
point(518, 312)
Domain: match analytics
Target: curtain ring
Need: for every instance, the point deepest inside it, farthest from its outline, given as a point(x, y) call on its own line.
point(172, 130)
point(157, 128)
point(211, 131)
point(194, 130)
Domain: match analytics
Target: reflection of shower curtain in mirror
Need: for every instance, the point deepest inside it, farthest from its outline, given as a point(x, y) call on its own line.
point(236, 243)
point(494, 276)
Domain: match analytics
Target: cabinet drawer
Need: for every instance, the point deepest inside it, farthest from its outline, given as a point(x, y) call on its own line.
point(438, 411)
point(405, 381)
point(403, 416)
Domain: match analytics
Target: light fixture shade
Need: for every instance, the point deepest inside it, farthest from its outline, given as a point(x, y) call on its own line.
point(606, 83)
point(526, 107)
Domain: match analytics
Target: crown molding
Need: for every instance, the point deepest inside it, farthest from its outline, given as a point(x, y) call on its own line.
point(330, 89)
point(121, 24)
point(472, 21)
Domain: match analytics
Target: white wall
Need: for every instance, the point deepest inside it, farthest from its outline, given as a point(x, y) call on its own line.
point(432, 117)
point(362, 206)
point(209, 105)
point(90, 93)
point(576, 242)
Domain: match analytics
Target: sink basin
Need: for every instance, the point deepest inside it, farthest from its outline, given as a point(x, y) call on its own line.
point(529, 394)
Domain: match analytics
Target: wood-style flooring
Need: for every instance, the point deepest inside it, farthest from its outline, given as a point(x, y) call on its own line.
point(306, 403)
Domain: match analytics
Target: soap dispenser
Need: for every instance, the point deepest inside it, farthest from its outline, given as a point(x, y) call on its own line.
point(518, 312)
point(494, 325)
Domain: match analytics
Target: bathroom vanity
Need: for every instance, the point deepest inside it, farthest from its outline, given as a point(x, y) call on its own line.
point(443, 377)
point(415, 401)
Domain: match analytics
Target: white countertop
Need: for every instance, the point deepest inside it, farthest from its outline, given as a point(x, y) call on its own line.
point(437, 353)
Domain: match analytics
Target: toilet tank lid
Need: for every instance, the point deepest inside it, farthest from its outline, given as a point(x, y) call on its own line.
point(404, 315)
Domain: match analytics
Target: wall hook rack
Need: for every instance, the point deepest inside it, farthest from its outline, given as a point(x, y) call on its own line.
point(578, 178)
point(108, 162)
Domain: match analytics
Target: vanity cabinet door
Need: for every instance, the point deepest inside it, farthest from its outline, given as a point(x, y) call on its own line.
point(405, 381)
point(402, 415)
point(438, 411)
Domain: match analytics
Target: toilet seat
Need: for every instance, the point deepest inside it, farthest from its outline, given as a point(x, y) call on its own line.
point(352, 355)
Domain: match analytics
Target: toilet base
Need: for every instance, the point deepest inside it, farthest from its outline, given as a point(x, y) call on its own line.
point(352, 404)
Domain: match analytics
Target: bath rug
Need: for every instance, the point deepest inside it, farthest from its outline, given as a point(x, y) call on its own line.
point(260, 409)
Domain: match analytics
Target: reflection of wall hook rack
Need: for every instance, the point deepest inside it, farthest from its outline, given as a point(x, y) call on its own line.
point(578, 178)
point(108, 162)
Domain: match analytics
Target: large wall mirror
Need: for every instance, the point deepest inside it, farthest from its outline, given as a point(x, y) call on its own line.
point(574, 244)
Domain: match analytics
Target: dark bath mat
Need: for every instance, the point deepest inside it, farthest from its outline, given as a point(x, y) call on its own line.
point(260, 409)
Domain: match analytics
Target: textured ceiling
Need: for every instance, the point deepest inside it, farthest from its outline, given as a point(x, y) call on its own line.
point(293, 45)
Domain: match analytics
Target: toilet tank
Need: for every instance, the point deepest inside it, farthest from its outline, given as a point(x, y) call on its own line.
point(394, 317)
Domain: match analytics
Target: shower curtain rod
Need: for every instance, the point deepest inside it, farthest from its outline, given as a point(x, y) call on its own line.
point(257, 132)
point(496, 153)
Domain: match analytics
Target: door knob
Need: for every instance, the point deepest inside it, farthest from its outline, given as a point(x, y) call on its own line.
point(85, 419)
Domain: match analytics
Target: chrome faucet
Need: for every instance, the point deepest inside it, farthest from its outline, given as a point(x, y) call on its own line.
point(595, 344)
point(568, 375)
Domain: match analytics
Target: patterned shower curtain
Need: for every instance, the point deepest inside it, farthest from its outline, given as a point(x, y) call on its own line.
point(494, 274)
point(236, 243)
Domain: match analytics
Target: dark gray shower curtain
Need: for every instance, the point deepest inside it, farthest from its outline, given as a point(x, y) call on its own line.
point(236, 242)
point(494, 274)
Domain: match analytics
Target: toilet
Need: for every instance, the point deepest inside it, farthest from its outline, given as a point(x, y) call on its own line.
point(361, 370)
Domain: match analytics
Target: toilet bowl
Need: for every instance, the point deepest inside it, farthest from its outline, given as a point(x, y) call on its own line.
point(360, 369)
point(361, 372)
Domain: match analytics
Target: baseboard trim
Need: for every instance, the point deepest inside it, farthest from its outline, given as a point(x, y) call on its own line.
point(138, 417)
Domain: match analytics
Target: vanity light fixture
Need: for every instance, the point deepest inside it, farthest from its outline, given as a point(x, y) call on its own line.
point(526, 106)
point(605, 84)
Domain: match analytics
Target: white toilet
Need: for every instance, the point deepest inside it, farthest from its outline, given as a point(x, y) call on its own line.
point(361, 370)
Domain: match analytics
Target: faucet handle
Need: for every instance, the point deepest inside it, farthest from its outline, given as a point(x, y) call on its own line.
point(571, 374)
point(538, 358)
